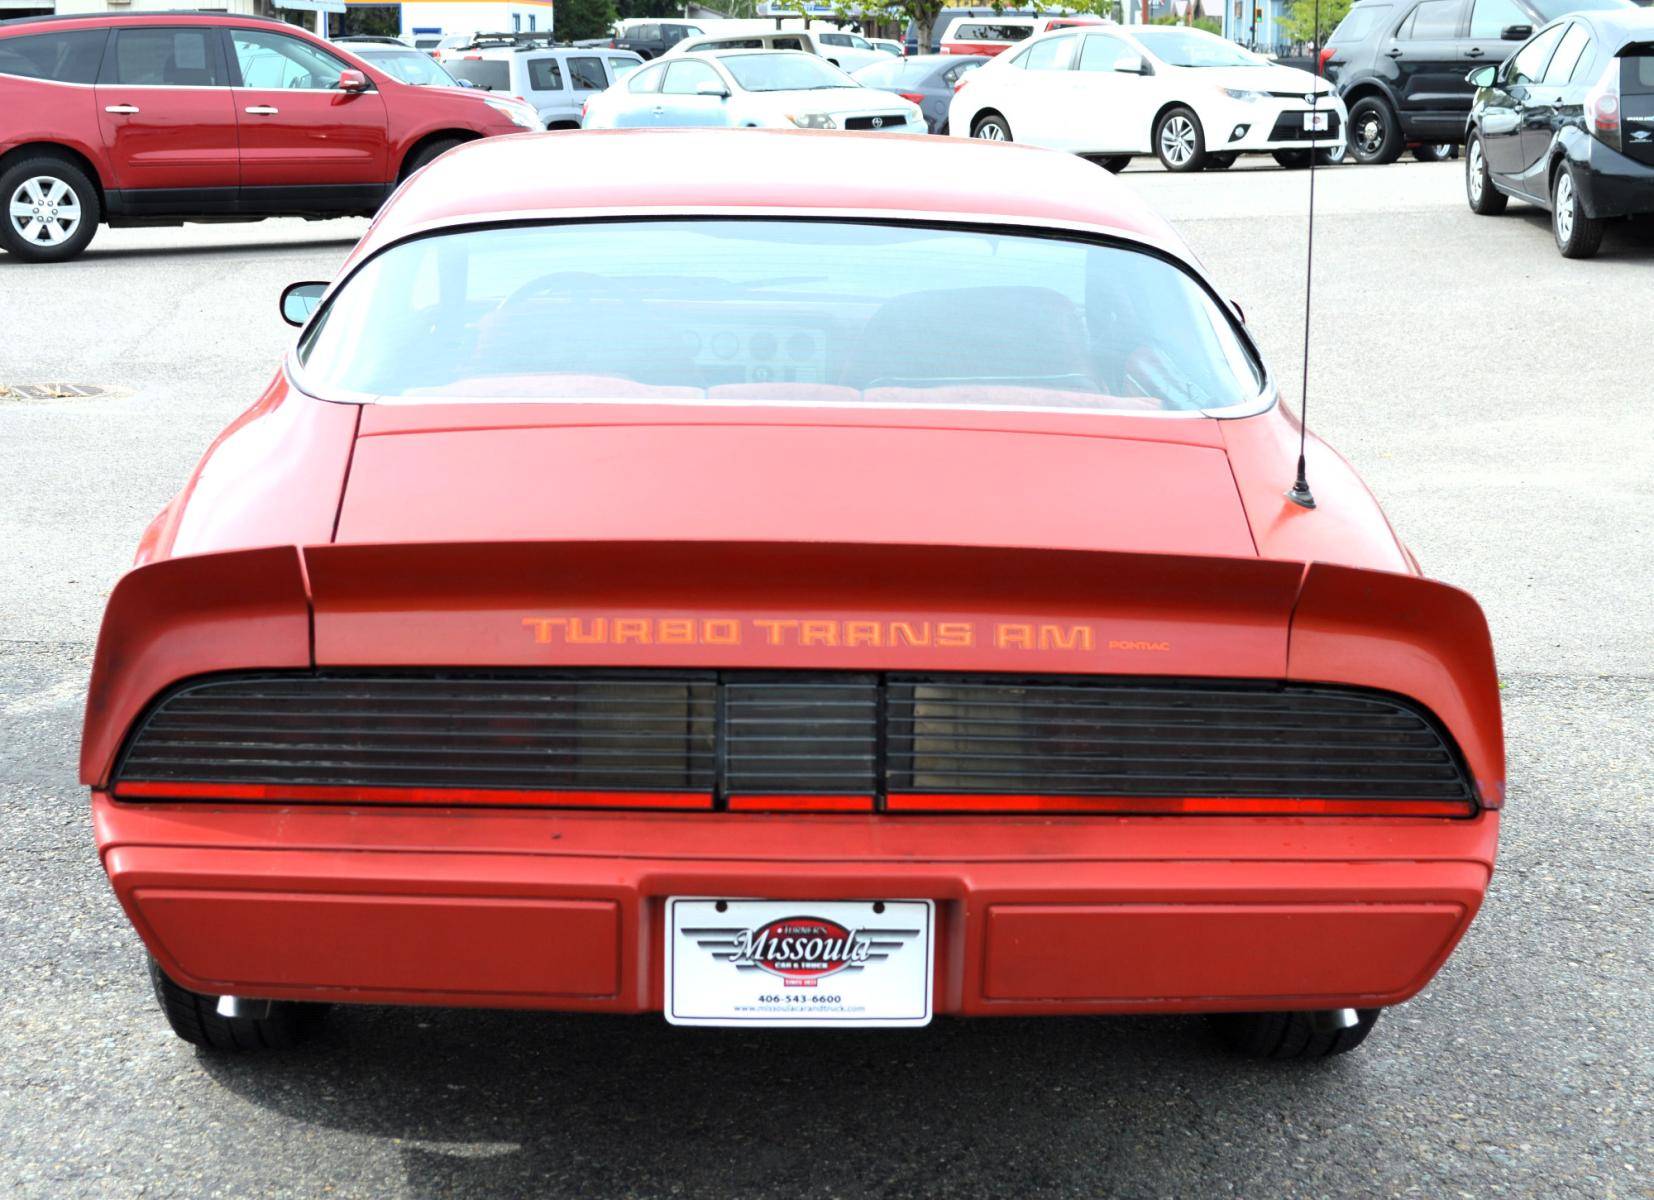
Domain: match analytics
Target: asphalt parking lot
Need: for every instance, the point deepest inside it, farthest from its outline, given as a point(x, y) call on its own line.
point(1495, 397)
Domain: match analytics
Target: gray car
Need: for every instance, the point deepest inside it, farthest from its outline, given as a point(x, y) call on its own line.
point(928, 80)
point(556, 80)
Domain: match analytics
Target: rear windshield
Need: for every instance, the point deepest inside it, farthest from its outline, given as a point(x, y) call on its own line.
point(781, 312)
point(492, 74)
point(1361, 21)
point(1637, 70)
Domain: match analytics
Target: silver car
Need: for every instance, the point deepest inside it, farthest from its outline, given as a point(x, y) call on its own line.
point(556, 80)
point(775, 89)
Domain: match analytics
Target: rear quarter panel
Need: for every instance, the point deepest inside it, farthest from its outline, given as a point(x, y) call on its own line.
point(65, 114)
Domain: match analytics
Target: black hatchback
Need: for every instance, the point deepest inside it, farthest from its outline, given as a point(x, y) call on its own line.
point(1567, 123)
point(1400, 65)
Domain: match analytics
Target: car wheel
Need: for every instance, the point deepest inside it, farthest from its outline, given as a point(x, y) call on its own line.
point(1333, 157)
point(1220, 162)
point(1112, 163)
point(1375, 136)
point(51, 212)
point(195, 1018)
point(428, 152)
point(1291, 1035)
point(1179, 141)
point(991, 127)
point(1577, 235)
point(1485, 199)
point(1292, 160)
point(1434, 152)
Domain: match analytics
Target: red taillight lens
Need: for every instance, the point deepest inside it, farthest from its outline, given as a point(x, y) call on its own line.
point(1321, 60)
point(1602, 106)
point(584, 108)
point(960, 86)
point(912, 97)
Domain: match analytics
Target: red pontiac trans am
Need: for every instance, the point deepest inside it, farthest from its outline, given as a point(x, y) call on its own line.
point(784, 579)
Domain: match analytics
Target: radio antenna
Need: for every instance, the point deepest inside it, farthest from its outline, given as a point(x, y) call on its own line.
point(1300, 493)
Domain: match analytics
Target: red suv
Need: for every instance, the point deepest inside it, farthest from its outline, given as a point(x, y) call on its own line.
point(157, 119)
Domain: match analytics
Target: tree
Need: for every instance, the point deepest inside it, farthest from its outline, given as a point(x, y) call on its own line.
point(1299, 24)
point(578, 19)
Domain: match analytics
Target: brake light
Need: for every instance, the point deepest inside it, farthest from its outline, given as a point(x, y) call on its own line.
point(1602, 106)
point(1321, 60)
point(912, 97)
point(584, 108)
point(960, 86)
point(473, 58)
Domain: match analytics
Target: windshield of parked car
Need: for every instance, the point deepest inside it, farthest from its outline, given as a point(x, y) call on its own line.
point(1190, 48)
point(409, 66)
point(785, 71)
point(763, 311)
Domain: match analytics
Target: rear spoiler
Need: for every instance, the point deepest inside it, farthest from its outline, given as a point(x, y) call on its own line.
point(794, 606)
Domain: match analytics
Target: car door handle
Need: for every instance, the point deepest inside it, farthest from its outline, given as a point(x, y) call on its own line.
point(1394, 52)
point(659, 110)
point(1474, 52)
point(121, 109)
point(263, 110)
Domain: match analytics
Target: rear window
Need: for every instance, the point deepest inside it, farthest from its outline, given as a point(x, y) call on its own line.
point(1360, 22)
point(1637, 70)
point(491, 74)
point(782, 312)
point(973, 32)
point(72, 56)
point(587, 74)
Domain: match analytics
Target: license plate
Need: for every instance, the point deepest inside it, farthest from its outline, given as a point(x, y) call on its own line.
point(1316, 122)
point(792, 962)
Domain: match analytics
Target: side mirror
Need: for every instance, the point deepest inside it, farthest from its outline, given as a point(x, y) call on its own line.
point(1516, 33)
point(1482, 76)
point(352, 81)
point(1131, 64)
point(712, 89)
point(299, 301)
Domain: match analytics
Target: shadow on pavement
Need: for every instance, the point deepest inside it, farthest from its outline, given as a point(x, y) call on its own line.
point(495, 1104)
point(94, 255)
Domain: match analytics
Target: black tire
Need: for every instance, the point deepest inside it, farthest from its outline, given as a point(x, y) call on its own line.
point(195, 1018)
point(427, 152)
point(1292, 160)
point(1434, 151)
point(1220, 162)
point(1375, 134)
point(55, 188)
point(1179, 141)
point(1290, 1035)
point(1485, 199)
point(1577, 235)
point(1113, 163)
point(991, 127)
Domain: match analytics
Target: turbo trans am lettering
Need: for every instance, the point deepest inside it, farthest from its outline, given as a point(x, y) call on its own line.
point(1038, 636)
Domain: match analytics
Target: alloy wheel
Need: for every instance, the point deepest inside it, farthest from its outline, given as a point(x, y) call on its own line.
point(1177, 140)
point(1369, 135)
point(45, 211)
point(991, 131)
point(1564, 208)
point(1476, 171)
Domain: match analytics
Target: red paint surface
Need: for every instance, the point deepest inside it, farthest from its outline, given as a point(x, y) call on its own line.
point(1318, 900)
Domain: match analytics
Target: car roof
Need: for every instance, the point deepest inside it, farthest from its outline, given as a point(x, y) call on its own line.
point(753, 172)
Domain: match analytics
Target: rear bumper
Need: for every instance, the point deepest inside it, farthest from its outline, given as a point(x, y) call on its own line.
point(564, 910)
point(1613, 184)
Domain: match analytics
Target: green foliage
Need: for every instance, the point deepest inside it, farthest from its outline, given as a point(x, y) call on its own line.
point(641, 8)
point(578, 19)
point(1209, 24)
point(1299, 22)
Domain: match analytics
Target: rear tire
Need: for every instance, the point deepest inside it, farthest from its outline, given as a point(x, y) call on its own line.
point(1375, 134)
point(1577, 235)
point(1434, 152)
point(49, 209)
point(1485, 199)
point(1290, 1036)
point(194, 1017)
point(1220, 162)
point(1292, 160)
point(1179, 141)
point(991, 127)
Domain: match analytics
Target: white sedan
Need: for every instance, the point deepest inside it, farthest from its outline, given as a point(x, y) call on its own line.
point(775, 89)
point(1194, 99)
